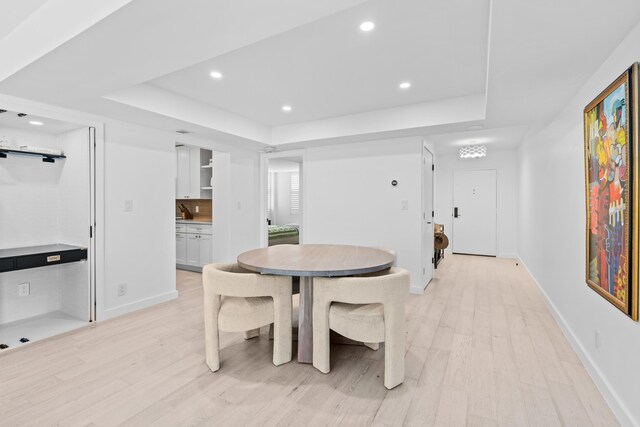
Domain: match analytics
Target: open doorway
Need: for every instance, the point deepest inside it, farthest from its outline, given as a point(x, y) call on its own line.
point(283, 200)
point(194, 207)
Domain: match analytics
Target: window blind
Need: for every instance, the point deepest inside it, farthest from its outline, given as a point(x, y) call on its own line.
point(269, 193)
point(295, 193)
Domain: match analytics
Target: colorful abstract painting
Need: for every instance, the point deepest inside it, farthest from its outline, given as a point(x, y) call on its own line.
point(612, 233)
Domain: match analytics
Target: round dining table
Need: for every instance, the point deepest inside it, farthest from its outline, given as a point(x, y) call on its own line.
point(309, 261)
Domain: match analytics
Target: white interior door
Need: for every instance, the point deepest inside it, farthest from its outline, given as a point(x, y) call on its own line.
point(427, 216)
point(475, 212)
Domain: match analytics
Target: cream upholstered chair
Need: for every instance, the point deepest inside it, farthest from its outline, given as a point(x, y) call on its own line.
point(368, 308)
point(238, 300)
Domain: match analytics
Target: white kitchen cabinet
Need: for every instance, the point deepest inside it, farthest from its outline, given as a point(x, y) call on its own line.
point(206, 249)
point(193, 178)
point(181, 248)
point(193, 250)
point(193, 245)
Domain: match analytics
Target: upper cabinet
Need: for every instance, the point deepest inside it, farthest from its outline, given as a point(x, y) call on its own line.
point(193, 180)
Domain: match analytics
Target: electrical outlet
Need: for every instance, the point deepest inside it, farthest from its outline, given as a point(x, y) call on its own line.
point(128, 205)
point(122, 290)
point(597, 340)
point(24, 289)
point(197, 209)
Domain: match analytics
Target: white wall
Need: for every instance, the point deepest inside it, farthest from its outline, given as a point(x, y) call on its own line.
point(29, 193)
point(349, 198)
point(245, 197)
point(552, 243)
point(140, 166)
point(506, 165)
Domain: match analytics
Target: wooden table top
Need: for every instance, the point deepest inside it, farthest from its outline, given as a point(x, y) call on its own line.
point(315, 260)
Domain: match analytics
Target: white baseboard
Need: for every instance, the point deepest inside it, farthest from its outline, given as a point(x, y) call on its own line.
point(136, 305)
point(498, 255)
point(609, 394)
point(508, 255)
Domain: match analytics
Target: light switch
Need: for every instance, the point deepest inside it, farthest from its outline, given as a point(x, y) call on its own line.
point(405, 205)
point(24, 289)
point(128, 205)
point(239, 205)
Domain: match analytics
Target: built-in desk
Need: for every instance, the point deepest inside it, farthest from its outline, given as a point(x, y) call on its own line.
point(39, 256)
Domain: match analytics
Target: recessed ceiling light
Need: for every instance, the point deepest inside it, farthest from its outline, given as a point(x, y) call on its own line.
point(367, 26)
point(216, 74)
point(286, 108)
point(405, 85)
point(36, 123)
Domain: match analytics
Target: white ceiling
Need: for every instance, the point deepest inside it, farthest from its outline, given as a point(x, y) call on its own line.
point(543, 51)
point(12, 120)
point(494, 139)
point(330, 68)
point(508, 65)
point(14, 12)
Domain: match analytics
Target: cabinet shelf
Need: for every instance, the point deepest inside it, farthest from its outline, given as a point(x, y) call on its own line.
point(207, 188)
point(47, 158)
point(207, 166)
point(40, 256)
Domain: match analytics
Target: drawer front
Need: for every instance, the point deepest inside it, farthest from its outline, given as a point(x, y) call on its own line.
point(199, 228)
point(6, 264)
point(181, 228)
point(42, 260)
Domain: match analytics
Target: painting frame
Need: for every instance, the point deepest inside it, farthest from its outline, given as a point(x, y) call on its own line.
point(621, 236)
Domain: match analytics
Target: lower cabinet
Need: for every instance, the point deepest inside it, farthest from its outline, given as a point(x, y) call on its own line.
point(205, 247)
point(193, 250)
point(193, 246)
point(181, 248)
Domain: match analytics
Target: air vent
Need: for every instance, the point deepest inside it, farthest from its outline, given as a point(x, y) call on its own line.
point(183, 132)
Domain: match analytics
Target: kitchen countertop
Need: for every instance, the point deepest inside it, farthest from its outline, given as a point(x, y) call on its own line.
point(192, 221)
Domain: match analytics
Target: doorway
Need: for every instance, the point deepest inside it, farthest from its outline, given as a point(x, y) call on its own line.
point(427, 216)
point(475, 212)
point(284, 208)
point(282, 201)
point(194, 207)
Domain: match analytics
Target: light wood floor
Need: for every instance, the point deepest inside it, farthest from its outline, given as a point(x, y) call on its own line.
point(482, 349)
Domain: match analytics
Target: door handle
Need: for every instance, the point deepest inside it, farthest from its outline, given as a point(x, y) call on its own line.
point(456, 214)
point(428, 222)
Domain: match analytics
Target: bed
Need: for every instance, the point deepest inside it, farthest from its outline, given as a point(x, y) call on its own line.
point(284, 234)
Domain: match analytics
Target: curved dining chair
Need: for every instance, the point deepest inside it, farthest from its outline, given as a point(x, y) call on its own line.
point(238, 300)
point(368, 308)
